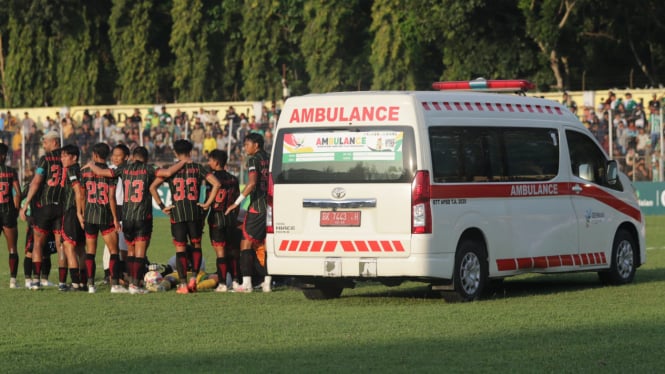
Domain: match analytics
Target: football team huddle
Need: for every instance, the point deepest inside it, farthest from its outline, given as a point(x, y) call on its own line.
point(71, 205)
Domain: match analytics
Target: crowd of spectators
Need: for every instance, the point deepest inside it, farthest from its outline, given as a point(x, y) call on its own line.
point(155, 130)
point(636, 131)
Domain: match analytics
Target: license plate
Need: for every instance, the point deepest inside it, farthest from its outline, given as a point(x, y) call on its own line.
point(348, 218)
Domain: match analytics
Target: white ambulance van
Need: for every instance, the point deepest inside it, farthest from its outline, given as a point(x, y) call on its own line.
point(456, 188)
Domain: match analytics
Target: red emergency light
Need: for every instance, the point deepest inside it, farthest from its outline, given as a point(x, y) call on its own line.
point(485, 85)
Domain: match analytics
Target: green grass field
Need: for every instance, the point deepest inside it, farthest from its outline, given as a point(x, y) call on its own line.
point(561, 323)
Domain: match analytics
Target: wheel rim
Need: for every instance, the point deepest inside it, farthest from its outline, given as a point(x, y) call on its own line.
point(625, 259)
point(470, 273)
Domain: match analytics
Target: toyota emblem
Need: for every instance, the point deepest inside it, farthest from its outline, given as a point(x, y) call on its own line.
point(338, 193)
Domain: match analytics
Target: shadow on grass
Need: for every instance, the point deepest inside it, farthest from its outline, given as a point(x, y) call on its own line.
point(520, 286)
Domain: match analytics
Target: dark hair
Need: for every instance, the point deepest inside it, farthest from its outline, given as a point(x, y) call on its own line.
point(3, 149)
point(141, 152)
point(123, 148)
point(182, 146)
point(220, 156)
point(71, 150)
point(102, 150)
point(255, 138)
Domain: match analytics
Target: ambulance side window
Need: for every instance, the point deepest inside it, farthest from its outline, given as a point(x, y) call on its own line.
point(587, 160)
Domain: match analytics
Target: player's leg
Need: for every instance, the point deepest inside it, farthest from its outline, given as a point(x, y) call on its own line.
point(91, 232)
point(11, 234)
point(27, 260)
point(179, 234)
point(195, 232)
point(110, 237)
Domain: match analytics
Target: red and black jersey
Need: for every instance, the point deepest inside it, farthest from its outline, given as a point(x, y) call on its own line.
point(50, 167)
point(136, 180)
point(185, 186)
point(258, 164)
point(98, 191)
point(7, 177)
point(227, 193)
point(72, 179)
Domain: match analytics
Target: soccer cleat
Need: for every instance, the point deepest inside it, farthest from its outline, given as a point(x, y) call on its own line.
point(118, 289)
point(266, 286)
point(191, 286)
point(136, 290)
point(35, 286)
point(46, 283)
point(242, 289)
point(92, 288)
point(12, 284)
point(221, 288)
point(63, 287)
point(28, 283)
point(182, 289)
point(235, 285)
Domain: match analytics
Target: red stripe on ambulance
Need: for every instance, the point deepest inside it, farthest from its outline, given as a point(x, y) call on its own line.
point(346, 245)
point(544, 262)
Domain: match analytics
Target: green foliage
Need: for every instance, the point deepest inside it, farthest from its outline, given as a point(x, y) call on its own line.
point(134, 57)
point(189, 45)
point(225, 42)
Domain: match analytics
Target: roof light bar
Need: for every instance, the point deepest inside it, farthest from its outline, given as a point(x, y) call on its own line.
point(485, 85)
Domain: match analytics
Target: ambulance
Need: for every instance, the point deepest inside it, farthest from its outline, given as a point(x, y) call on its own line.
point(457, 187)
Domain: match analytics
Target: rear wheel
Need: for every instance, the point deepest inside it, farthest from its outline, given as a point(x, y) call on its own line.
point(622, 268)
point(323, 292)
point(471, 269)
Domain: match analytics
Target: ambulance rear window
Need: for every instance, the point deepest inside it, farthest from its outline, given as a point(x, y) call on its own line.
point(343, 155)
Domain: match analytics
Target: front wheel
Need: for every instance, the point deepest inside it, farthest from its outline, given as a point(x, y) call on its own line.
point(622, 267)
point(471, 270)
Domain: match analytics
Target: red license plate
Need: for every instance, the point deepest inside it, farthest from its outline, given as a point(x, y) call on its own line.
point(348, 218)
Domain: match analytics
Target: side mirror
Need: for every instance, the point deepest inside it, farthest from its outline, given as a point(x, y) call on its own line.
point(612, 172)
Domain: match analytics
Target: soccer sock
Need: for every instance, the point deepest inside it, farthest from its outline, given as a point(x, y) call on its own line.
point(83, 275)
point(13, 264)
point(38, 268)
point(234, 268)
point(130, 263)
point(27, 267)
point(221, 270)
point(246, 263)
point(115, 269)
point(141, 266)
point(196, 260)
point(62, 274)
point(46, 267)
point(74, 274)
point(181, 264)
point(90, 267)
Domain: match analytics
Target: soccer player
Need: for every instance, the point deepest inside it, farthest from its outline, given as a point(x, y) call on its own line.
point(254, 227)
point(100, 215)
point(10, 200)
point(137, 222)
point(186, 212)
point(46, 189)
point(222, 226)
point(73, 236)
point(119, 156)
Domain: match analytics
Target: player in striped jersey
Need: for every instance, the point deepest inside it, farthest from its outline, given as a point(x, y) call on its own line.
point(73, 236)
point(186, 213)
point(222, 226)
point(45, 188)
point(119, 157)
point(10, 200)
point(137, 208)
point(254, 227)
point(100, 215)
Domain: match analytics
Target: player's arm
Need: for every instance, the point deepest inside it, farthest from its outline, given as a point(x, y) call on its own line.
point(114, 207)
point(153, 191)
point(17, 193)
point(249, 188)
point(108, 173)
point(32, 191)
point(214, 182)
point(80, 202)
point(166, 173)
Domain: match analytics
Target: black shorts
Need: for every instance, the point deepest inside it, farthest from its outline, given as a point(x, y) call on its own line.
point(137, 231)
point(48, 218)
point(222, 228)
point(93, 229)
point(71, 228)
point(8, 219)
point(181, 231)
point(254, 228)
point(30, 242)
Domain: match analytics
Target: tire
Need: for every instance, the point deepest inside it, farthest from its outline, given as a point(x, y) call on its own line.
point(471, 270)
point(323, 292)
point(622, 267)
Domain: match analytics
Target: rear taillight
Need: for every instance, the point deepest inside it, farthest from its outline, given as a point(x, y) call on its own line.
point(421, 212)
point(269, 225)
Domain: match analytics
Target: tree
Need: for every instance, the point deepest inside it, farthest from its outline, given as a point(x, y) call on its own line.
point(226, 42)
point(190, 46)
point(135, 58)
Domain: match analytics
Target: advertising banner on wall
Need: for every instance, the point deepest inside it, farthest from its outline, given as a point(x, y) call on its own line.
point(651, 196)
